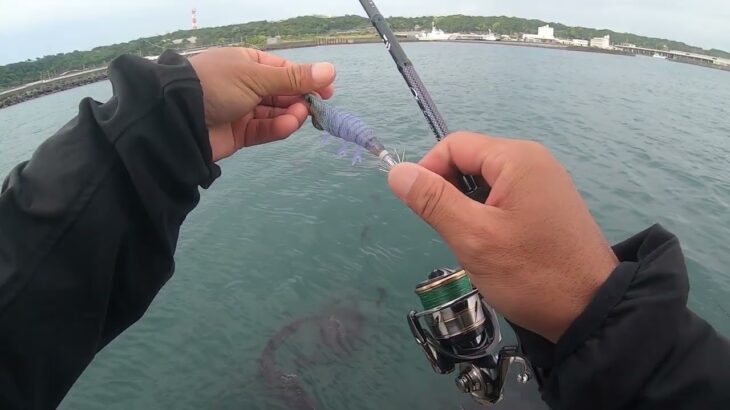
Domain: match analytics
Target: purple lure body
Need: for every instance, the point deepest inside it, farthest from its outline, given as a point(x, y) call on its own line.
point(345, 126)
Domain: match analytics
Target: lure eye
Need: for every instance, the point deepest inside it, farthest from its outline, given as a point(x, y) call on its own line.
point(310, 99)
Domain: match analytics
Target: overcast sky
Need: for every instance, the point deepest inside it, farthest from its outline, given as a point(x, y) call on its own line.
point(33, 28)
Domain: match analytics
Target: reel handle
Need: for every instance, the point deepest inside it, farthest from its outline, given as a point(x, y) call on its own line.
point(486, 384)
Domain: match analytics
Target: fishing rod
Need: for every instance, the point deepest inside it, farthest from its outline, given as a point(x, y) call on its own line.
point(435, 120)
point(457, 329)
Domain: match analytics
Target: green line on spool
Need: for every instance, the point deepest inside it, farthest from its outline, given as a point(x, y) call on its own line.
point(446, 291)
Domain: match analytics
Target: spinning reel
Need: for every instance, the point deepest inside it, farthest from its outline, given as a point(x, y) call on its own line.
point(462, 330)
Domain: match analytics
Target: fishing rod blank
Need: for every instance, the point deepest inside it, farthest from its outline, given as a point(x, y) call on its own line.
point(419, 91)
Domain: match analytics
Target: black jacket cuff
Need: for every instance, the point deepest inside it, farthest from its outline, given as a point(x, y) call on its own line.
point(178, 68)
point(636, 310)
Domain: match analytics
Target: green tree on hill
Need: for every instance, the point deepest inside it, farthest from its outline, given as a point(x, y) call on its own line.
point(255, 33)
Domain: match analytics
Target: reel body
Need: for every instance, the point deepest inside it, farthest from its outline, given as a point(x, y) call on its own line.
point(459, 329)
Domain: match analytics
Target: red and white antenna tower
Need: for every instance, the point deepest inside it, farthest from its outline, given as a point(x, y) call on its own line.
point(195, 18)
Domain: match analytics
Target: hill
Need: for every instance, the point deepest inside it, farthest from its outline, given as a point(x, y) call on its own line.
point(256, 32)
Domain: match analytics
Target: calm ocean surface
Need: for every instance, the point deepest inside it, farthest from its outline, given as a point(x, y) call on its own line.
point(290, 230)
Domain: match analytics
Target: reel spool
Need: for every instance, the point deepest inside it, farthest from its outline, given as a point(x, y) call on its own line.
point(457, 328)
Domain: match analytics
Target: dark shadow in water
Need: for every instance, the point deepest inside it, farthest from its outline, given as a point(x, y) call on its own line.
point(337, 333)
point(339, 326)
point(382, 294)
point(375, 197)
point(284, 385)
point(364, 234)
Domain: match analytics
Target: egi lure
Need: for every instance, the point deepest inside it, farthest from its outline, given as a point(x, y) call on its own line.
point(350, 129)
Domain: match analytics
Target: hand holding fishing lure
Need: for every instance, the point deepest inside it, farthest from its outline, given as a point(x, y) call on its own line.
point(262, 106)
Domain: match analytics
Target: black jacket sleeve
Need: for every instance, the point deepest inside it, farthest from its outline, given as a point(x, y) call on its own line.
point(89, 226)
point(637, 345)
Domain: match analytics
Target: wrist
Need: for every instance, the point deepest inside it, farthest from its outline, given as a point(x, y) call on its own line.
point(585, 284)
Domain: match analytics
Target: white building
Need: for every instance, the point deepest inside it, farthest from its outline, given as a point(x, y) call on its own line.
point(579, 43)
point(601, 42)
point(546, 33)
point(543, 33)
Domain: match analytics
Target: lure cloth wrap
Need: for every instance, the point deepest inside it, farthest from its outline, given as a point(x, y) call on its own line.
point(343, 125)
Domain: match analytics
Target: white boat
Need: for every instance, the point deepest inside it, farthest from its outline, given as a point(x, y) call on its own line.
point(659, 56)
point(491, 37)
point(435, 35)
point(477, 37)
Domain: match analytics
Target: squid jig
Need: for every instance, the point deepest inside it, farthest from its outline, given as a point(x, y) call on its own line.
point(351, 129)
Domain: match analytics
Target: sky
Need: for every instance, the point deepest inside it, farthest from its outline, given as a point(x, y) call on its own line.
point(33, 28)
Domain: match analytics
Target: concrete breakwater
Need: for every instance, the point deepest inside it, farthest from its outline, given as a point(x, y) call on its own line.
point(44, 88)
point(41, 88)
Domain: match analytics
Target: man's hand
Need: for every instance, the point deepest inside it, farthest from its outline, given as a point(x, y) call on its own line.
point(533, 250)
point(253, 98)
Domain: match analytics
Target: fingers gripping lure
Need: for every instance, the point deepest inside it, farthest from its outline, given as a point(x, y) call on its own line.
point(350, 129)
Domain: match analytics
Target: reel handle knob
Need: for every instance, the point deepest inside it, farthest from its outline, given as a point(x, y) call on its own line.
point(485, 384)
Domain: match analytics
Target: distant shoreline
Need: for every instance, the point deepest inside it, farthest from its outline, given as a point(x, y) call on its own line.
point(52, 86)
